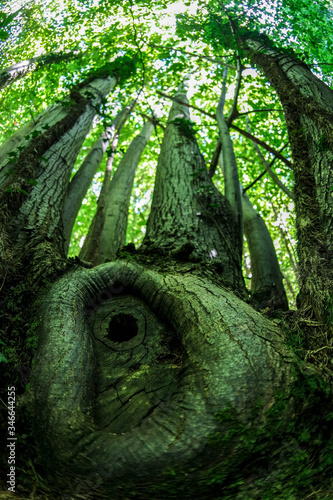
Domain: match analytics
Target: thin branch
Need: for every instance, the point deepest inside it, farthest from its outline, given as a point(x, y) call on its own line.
point(255, 181)
point(233, 113)
point(258, 111)
point(267, 167)
point(153, 120)
point(138, 47)
point(211, 115)
point(263, 144)
point(263, 173)
point(192, 54)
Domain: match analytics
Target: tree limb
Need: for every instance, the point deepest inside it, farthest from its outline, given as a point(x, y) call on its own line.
point(258, 111)
point(263, 144)
point(268, 169)
point(241, 131)
point(211, 59)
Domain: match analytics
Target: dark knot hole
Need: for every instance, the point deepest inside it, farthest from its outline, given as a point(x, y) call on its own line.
point(122, 327)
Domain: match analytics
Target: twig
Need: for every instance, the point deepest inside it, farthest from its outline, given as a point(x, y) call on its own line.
point(255, 181)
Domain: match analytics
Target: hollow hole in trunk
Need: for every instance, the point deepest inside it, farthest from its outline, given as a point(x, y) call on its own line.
point(122, 327)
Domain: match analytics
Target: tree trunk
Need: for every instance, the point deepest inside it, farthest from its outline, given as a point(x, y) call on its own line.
point(266, 285)
point(83, 177)
point(188, 213)
point(34, 191)
point(113, 235)
point(152, 378)
point(308, 108)
point(148, 359)
point(232, 190)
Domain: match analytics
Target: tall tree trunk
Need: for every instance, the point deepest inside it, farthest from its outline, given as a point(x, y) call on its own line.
point(232, 186)
point(113, 235)
point(36, 186)
point(91, 249)
point(308, 109)
point(266, 285)
point(188, 213)
point(83, 177)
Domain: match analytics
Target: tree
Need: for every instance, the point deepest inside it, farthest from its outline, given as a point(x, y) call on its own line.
point(150, 371)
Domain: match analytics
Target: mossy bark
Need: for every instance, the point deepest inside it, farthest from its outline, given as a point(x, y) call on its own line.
point(134, 365)
point(308, 109)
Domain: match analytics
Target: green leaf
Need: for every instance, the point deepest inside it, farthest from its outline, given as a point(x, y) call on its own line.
point(3, 358)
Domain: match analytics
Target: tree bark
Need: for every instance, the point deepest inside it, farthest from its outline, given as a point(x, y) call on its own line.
point(231, 180)
point(308, 109)
point(83, 177)
point(267, 288)
point(34, 193)
point(187, 211)
point(148, 360)
point(113, 234)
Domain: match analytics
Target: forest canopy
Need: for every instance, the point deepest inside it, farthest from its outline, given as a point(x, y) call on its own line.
point(166, 248)
point(158, 43)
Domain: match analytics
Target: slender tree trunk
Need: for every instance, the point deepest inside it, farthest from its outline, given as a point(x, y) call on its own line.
point(266, 284)
point(113, 235)
point(90, 249)
point(231, 186)
point(83, 177)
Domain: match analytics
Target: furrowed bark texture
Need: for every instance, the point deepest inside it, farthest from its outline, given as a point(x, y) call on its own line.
point(44, 169)
point(83, 177)
point(266, 283)
point(188, 215)
point(113, 235)
point(308, 109)
point(147, 360)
